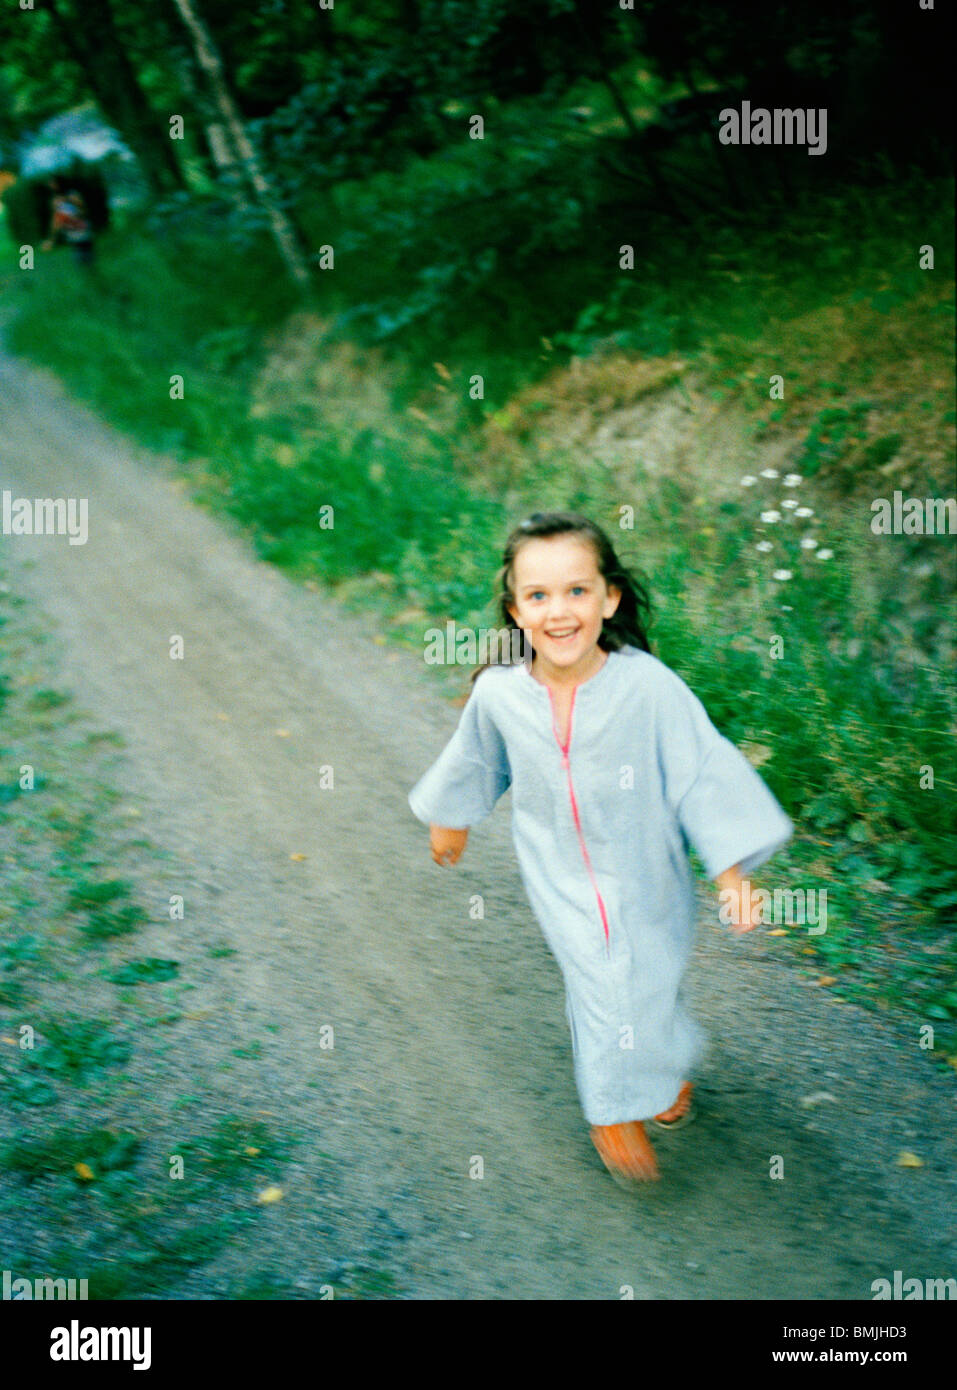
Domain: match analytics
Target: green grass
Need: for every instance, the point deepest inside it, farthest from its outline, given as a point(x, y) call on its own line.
point(57, 1153)
point(20, 956)
point(233, 1148)
point(147, 971)
point(104, 914)
point(74, 1049)
point(144, 1266)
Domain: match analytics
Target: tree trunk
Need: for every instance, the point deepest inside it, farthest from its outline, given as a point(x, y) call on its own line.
point(95, 45)
point(210, 62)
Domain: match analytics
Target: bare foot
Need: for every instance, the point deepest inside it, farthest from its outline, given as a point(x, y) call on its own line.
point(681, 1107)
point(626, 1152)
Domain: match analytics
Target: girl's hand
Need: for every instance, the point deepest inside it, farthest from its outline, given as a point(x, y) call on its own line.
point(447, 845)
point(739, 909)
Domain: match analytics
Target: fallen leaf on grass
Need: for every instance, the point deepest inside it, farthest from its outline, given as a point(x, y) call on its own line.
point(84, 1171)
point(909, 1160)
point(298, 858)
point(778, 931)
point(827, 980)
point(269, 1194)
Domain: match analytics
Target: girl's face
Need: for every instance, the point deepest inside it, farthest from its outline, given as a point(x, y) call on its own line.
point(561, 601)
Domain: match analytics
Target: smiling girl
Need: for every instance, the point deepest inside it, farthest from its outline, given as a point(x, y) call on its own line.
point(614, 767)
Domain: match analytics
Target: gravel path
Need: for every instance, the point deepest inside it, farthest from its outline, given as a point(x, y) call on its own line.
point(450, 1037)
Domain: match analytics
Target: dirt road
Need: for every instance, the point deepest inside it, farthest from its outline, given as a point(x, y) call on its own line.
point(450, 1037)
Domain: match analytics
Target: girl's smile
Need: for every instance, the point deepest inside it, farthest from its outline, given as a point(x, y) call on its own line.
point(561, 601)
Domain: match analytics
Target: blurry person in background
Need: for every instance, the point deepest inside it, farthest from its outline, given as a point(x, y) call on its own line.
point(69, 222)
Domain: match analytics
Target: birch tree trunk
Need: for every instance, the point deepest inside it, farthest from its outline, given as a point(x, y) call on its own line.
point(211, 64)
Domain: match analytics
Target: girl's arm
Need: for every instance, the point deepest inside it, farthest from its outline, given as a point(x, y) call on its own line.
point(466, 780)
point(725, 810)
point(447, 845)
point(736, 900)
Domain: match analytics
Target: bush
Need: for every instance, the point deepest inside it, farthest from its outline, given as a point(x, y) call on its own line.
point(27, 202)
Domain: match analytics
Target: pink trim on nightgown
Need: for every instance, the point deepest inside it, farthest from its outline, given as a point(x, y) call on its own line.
point(571, 792)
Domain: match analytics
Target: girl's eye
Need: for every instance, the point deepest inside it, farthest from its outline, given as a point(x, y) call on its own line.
point(578, 589)
point(537, 594)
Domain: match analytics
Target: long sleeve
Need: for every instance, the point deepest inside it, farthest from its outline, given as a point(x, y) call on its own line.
point(723, 807)
point(472, 772)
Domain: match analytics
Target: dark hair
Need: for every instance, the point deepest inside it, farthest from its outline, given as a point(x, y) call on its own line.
point(627, 627)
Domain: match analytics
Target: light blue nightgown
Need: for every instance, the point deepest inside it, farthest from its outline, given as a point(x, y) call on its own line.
point(601, 832)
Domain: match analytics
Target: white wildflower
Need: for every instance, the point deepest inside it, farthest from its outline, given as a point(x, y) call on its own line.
point(825, 554)
point(770, 516)
point(764, 545)
point(789, 502)
point(748, 480)
point(804, 511)
point(782, 574)
point(769, 473)
point(792, 479)
point(808, 543)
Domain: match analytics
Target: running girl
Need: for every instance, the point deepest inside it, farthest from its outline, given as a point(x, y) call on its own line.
point(614, 767)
